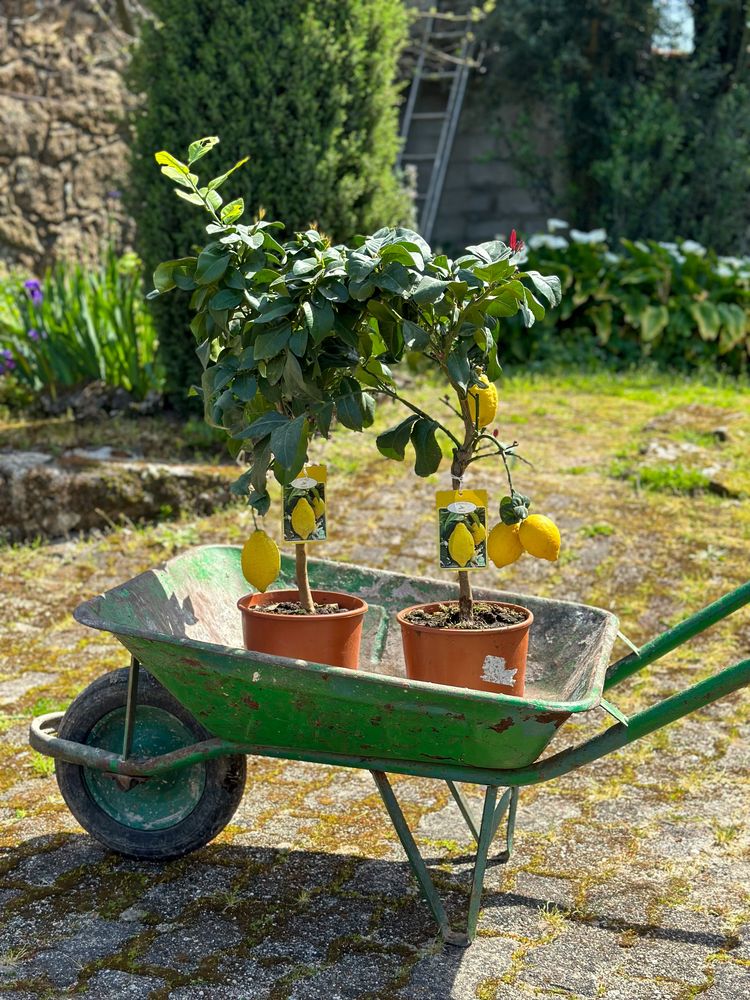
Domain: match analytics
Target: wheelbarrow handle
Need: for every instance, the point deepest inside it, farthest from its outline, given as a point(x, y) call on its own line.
point(645, 722)
point(674, 637)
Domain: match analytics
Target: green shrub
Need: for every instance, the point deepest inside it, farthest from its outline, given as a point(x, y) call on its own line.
point(647, 144)
point(677, 305)
point(78, 325)
point(307, 89)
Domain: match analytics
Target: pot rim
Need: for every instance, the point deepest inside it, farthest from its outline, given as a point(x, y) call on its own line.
point(248, 609)
point(525, 624)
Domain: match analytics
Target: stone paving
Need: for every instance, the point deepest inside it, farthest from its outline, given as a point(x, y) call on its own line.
point(630, 879)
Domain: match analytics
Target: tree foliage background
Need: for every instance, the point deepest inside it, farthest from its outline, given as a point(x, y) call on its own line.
point(307, 89)
point(646, 143)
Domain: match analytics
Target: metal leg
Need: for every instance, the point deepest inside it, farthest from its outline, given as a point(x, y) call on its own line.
point(486, 833)
point(416, 861)
point(130, 706)
point(465, 811)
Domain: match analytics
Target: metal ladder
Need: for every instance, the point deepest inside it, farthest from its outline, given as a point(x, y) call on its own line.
point(446, 52)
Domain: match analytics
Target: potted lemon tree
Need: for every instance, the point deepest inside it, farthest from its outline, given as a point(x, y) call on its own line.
point(451, 312)
point(281, 343)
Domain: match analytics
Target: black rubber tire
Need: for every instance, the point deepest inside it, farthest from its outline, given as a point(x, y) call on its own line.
point(221, 794)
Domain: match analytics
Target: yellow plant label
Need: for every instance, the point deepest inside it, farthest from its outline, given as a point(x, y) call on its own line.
point(462, 528)
point(304, 506)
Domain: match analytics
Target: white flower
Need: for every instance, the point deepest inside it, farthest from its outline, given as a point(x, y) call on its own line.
point(554, 224)
point(611, 258)
point(724, 271)
point(671, 247)
point(690, 246)
point(734, 262)
point(593, 236)
point(521, 257)
point(548, 241)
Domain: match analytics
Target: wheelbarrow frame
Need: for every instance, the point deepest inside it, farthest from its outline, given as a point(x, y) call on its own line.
point(128, 770)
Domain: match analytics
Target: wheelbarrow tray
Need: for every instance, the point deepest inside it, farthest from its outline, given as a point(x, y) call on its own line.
point(181, 622)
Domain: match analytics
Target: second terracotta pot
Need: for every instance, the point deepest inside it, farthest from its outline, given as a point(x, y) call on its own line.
point(486, 660)
point(330, 639)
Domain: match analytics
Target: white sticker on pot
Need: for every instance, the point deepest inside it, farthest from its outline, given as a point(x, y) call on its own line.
point(494, 671)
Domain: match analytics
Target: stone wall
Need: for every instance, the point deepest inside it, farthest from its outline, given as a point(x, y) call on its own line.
point(63, 140)
point(62, 136)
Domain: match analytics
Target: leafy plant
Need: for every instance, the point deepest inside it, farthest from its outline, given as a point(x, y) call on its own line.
point(311, 88)
point(296, 334)
point(77, 325)
point(675, 304)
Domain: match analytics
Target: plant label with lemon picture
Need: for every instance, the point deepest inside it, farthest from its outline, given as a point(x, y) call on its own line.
point(304, 503)
point(462, 528)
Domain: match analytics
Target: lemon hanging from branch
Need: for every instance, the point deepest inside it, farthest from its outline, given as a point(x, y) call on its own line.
point(261, 560)
point(483, 402)
point(540, 536)
point(504, 545)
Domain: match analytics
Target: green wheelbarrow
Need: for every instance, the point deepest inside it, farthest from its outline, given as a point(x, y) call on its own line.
point(151, 758)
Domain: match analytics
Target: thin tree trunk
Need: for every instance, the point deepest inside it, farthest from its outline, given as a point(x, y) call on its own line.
point(303, 583)
point(465, 596)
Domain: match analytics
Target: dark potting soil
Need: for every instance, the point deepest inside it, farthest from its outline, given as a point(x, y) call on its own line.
point(295, 608)
point(485, 616)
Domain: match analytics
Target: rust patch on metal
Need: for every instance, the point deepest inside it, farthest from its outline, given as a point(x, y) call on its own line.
point(250, 702)
point(388, 707)
point(502, 725)
point(191, 662)
point(376, 720)
point(554, 717)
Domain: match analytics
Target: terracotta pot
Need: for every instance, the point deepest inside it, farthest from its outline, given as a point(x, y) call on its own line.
point(485, 660)
point(331, 639)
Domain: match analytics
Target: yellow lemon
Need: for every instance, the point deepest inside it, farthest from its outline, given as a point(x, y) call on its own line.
point(303, 518)
point(504, 545)
point(261, 560)
point(318, 506)
point(478, 532)
point(540, 537)
point(461, 545)
point(485, 399)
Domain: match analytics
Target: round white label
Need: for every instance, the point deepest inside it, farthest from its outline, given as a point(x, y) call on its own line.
point(462, 507)
point(304, 483)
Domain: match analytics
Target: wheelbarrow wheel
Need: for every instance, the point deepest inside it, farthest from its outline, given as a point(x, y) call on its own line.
point(160, 818)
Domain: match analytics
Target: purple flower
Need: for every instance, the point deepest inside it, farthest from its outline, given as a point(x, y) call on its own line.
point(115, 195)
point(34, 291)
point(33, 334)
point(7, 362)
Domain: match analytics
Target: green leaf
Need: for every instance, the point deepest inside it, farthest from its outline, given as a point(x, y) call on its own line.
point(241, 487)
point(535, 306)
point(293, 379)
point(212, 263)
point(546, 285)
point(245, 387)
point(601, 317)
point(165, 159)
point(458, 365)
point(200, 147)
point(298, 341)
point(269, 343)
point(227, 298)
point(318, 320)
point(653, 320)
point(218, 181)
point(264, 425)
point(273, 309)
point(426, 449)
point(354, 408)
point(415, 338)
point(707, 318)
point(429, 290)
point(393, 443)
point(289, 445)
point(734, 326)
point(232, 211)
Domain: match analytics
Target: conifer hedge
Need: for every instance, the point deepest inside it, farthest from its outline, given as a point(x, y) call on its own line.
point(307, 89)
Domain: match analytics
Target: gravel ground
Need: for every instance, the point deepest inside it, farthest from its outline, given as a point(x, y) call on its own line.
point(630, 879)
